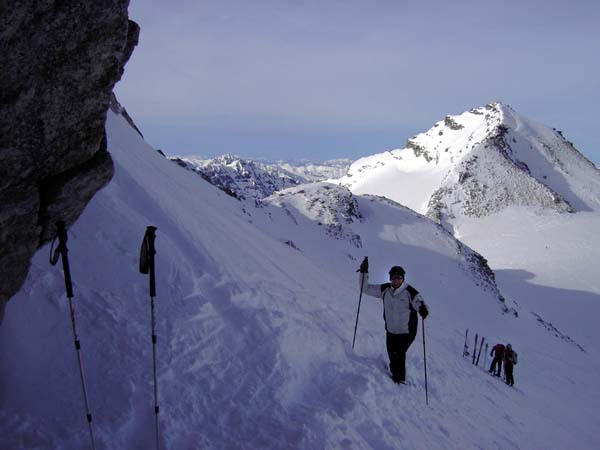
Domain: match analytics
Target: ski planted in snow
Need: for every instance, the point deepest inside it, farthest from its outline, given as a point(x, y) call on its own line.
point(475, 348)
point(466, 347)
point(480, 348)
point(485, 356)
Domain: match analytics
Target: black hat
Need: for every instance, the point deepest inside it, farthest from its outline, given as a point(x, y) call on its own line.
point(397, 270)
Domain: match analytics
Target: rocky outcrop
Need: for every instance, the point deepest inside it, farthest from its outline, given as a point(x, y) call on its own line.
point(418, 149)
point(452, 124)
point(60, 62)
point(332, 207)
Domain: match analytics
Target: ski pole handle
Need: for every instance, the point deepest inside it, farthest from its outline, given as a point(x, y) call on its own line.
point(151, 237)
point(147, 257)
point(61, 234)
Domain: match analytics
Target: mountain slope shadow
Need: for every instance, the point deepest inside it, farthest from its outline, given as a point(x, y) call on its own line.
point(564, 310)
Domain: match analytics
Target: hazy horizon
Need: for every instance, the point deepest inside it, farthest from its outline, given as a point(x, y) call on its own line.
point(325, 80)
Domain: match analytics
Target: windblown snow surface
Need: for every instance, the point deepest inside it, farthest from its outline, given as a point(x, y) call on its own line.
point(256, 310)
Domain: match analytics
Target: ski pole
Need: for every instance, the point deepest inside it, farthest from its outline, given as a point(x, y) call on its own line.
point(147, 253)
point(362, 282)
point(363, 269)
point(425, 362)
point(61, 250)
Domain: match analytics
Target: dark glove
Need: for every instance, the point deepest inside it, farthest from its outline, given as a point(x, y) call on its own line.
point(423, 311)
point(364, 266)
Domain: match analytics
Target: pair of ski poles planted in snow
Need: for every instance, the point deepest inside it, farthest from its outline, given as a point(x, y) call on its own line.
point(362, 283)
point(146, 267)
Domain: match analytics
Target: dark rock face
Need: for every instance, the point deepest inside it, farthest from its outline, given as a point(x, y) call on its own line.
point(419, 150)
point(60, 61)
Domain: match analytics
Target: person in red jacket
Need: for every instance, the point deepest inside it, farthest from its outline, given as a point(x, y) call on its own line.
point(498, 354)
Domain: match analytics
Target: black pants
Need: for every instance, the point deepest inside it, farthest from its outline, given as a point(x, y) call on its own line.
point(508, 371)
point(497, 361)
point(397, 346)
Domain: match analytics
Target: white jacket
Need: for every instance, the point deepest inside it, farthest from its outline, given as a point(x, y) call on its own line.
point(396, 304)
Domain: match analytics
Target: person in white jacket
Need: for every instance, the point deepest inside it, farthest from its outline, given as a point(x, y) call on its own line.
point(401, 302)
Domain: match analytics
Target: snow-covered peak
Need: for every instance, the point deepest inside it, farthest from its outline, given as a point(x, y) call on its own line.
point(440, 147)
point(479, 162)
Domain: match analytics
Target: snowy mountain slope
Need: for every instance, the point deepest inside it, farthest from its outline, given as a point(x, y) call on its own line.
point(502, 183)
point(545, 262)
point(254, 334)
point(558, 304)
point(340, 215)
point(478, 163)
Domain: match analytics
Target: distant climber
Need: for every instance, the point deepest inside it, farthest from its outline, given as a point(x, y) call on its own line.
point(498, 354)
point(510, 360)
point(401, 302)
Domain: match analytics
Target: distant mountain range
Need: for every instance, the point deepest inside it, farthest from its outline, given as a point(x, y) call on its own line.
point(249, 179)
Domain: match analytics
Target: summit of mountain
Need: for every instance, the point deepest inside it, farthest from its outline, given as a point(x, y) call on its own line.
point(478, 163)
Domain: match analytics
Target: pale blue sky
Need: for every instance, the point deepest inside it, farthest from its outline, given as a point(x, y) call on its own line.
point(333, 78)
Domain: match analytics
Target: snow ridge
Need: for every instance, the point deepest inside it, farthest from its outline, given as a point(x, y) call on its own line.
point(473, 264)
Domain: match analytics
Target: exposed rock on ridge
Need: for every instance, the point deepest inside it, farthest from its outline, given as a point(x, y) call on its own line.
point(333, 207)
point(117, 108)
point(60, 63)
